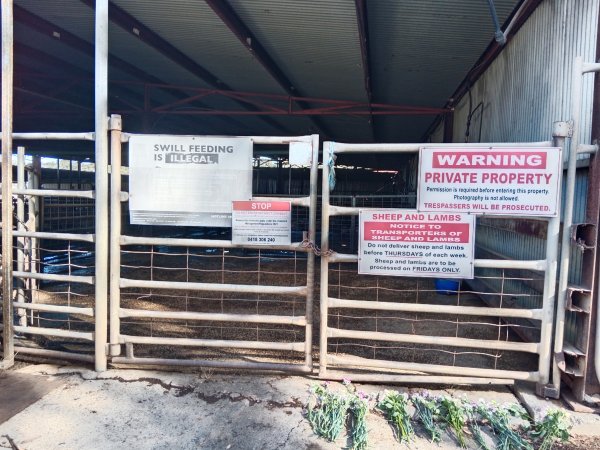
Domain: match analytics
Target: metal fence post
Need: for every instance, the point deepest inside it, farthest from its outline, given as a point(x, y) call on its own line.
point(101, 148)
point(115, 232)
point(312, 235)
point(324, 307)
point(21, 227)
point(563, 279)
point(7, 210)
point(560, 133)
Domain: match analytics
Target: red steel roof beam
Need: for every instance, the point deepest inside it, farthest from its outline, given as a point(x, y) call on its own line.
point(253, 45)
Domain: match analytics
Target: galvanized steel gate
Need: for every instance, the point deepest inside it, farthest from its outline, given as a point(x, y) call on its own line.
point(391, 330)
point(196, 301)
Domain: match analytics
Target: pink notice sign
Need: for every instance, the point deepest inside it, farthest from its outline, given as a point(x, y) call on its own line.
point(405, 242)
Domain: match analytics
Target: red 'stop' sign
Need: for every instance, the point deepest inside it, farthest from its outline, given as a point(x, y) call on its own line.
point(261, 206)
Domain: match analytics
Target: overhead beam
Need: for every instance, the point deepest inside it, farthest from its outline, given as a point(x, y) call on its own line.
point(235, 24)
point(363, 36)
point(120, 93)
point(133, 26)
point(67, 38)
point(278, 104)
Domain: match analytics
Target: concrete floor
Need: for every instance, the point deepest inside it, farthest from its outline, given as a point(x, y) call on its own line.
point(133, 409)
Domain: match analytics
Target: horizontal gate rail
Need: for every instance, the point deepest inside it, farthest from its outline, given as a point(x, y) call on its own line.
point(55, 277)
point(341, 147)
point(214, 287)
point(51, 136)
point(55, 354)
point(418, 379)
point(55, 308)
point(535, 314)
point(433, 340)
point(55, 332)
point(213, 343)
point(208, 243)
point(58, 236)
point(342, 360)
point(217, 317)
point(536, 265)
point(210, 363)
point(55, 193)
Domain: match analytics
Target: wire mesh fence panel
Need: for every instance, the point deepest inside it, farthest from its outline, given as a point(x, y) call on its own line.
point(225, 316)
point(486, 289)
point(53, 291)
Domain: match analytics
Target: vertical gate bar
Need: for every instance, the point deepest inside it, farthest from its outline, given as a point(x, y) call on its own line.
point(354, 246)
point(21, 227)
point(563, 277)
point(549, 299)
point(34, 217)
point(328, 147)
point(101, 150)
point(312, 236)
point(115, 232)
point(7, 211)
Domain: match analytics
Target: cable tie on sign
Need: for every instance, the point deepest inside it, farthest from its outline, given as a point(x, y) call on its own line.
point(331, 163)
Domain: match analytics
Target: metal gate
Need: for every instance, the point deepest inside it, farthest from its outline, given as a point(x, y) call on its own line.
point(196, 299)
point(51, 293)
point(382, 328)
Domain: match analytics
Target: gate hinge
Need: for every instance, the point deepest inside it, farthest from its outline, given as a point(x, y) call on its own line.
point(547, 391)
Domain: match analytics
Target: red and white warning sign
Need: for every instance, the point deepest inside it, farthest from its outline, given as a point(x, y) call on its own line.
point(507, 181)
point(261, 223)
point(405, 242)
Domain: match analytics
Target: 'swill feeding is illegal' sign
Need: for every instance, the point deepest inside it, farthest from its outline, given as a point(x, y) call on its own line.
point(405, 242)
point(187, 180)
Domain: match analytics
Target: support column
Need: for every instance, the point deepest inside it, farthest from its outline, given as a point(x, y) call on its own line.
point(101, 147)
point(7, 209)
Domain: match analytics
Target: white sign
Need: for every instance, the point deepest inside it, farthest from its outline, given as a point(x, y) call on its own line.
point(300, 154)
point(405, 242)
point(261, 223)
point(187, 180)
point(507, 181)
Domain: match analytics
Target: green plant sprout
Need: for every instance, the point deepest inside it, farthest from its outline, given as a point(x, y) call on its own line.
point(455, 416)
point(554, 426)
point(499, 418)
point(395, 406)
point(427, 411)
point(359, 407)
point(327, 412)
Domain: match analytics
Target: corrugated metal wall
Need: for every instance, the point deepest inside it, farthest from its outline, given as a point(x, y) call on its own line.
point(525, 90)
point(528, 87)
